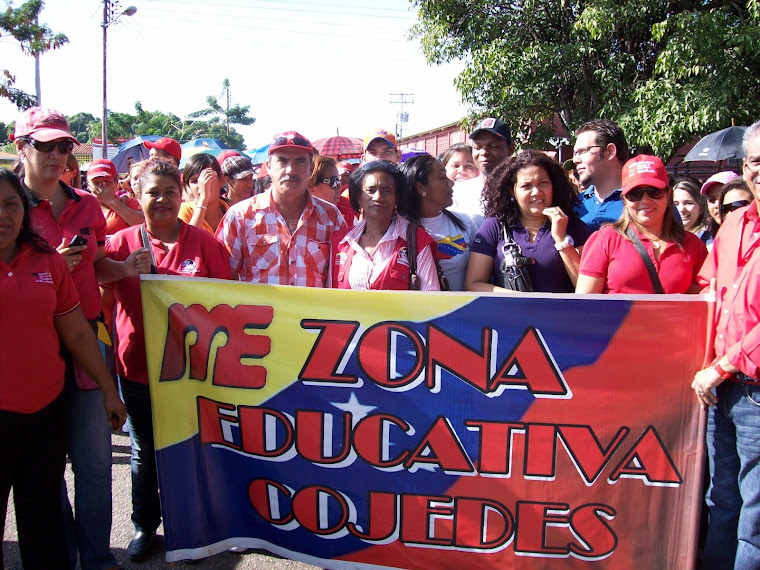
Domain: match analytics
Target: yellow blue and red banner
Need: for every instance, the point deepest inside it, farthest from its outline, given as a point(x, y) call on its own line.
point(411, 430)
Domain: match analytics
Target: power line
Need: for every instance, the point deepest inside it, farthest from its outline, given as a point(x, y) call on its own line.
point(279, 4)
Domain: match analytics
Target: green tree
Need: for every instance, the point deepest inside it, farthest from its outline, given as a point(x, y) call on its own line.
point(236, 114)
point(34, 39)
point(666, 71)
point(80, 126)
point(125, 125)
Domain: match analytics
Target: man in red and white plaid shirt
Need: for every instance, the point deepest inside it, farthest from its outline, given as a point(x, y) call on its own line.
point(282, 237)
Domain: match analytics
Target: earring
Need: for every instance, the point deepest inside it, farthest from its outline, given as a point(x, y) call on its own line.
point(424, 194)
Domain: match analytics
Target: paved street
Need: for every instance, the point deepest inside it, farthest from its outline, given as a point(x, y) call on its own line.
point(122, 530)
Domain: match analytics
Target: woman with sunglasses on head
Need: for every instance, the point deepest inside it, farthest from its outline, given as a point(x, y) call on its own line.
point(734, 195)
point(203, 207)
point(529, 202)
point(453, 232)
point(374, 253)
point(59, 214)
point(691, 206)
point(646, 250)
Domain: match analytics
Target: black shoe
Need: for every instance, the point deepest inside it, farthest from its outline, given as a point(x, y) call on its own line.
point(140, 545)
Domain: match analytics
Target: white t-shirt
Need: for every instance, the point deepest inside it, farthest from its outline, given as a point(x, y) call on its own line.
point(453, 245)
point(467, 199)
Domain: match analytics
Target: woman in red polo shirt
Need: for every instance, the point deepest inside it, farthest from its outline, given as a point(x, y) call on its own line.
point(177, 248)
point(616, 258)
point(39, 309)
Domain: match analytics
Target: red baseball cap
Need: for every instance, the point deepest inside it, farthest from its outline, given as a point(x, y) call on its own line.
point(102, 167)
point(168, 145)
point(644, 170)
point(42, 124)
point(290, 139)
point(390, 138)
point(225, 154)
point(345, 166)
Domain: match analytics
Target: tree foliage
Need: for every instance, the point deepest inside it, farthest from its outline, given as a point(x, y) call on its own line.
point(235, 114)
point(665, 70)
point(128, 126)
point(34, 39)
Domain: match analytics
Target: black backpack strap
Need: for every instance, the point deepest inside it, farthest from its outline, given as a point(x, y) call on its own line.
point(647, 260)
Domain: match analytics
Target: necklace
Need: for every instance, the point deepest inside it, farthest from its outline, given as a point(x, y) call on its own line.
point(655, 240)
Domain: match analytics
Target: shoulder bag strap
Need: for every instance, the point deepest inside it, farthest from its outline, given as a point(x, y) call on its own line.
point(647, 260)
point(146, 245)
point(411, 254)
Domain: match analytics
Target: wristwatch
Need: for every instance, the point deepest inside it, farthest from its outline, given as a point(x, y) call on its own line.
point(567, 242)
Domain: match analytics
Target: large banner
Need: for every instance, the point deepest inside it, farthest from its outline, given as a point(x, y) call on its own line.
point(412, 430)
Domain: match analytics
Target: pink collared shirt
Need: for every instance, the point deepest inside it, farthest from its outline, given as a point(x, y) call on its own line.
point(262, 250)
point(735, 262)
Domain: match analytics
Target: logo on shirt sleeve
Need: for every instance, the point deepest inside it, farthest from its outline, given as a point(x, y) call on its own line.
point(188, 267)
point(45, 277)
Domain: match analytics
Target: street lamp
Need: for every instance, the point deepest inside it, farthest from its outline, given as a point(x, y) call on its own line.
point(109, 7)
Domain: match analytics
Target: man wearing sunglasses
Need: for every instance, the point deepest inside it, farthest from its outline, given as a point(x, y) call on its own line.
point(730, 386)
point(599, 153)
point(282, 236)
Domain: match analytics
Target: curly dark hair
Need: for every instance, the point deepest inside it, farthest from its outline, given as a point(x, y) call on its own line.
point(407, 201)
point(499, 192)
point(26, 234)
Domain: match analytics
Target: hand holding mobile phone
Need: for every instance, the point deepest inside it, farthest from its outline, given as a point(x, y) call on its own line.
point(78, 240)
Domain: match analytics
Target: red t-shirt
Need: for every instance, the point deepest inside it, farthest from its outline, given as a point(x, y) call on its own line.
point(34, 288)
point(114, 222)
point(612, 257)
point(80, 216)
point(195, 254)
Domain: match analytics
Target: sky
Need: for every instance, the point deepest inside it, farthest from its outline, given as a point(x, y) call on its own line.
point(318, 67)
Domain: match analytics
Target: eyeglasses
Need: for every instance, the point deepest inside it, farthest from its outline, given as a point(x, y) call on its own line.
point(380, 165)
point(63, 147)
point(581, 151)
point(334, 182)
point(638, 193)
point(731, 206)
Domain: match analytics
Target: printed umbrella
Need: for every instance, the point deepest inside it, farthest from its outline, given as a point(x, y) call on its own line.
point(205, 143)
point(340, 147)
point(132, 151)
point(724, 144)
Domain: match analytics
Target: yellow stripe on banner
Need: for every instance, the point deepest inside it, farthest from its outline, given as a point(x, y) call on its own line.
point(290, 343)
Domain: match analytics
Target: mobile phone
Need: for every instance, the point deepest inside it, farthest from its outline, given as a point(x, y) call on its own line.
point(77, 240)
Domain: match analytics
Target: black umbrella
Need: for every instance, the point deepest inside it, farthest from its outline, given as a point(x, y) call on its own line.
point(725, 144)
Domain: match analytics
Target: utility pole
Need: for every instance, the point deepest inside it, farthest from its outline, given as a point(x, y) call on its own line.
point(401, 116)
point(226, 87)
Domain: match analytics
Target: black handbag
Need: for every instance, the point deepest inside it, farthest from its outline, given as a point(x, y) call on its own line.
point(514, 266)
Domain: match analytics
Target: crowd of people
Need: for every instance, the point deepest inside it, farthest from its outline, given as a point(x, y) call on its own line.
point(479, 218)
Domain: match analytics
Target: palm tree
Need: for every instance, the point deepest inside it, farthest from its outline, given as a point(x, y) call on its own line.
point(237, 114)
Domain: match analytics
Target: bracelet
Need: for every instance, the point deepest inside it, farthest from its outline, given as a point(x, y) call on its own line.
point(722, 373)
point(201, 207)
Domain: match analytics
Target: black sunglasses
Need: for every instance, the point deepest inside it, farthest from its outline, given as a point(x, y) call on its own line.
point(63, 147)
point(334, 182)
point(380, 165)
point(731, 206)
point(638, 193)
point(285, 141)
